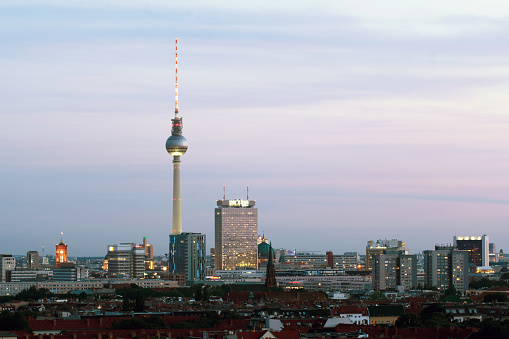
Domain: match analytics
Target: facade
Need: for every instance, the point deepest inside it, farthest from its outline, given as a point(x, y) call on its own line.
point(61, 253)
point(69, 272)
point(349, 261)
point(7, 263)
point(33, 259)
point(393, 246)
point(394, 271)
point(127, 259)
point(236, 233)
point(188, 256)
point(477, 247)
point(446, 266)
point(21, 275)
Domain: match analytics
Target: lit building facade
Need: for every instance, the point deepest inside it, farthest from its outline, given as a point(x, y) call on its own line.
point(188, 256)
point(7, 263)
point(394, 271)
point(383, 246)
point(477, 247)
point(236, 233)
point(446, 266)
point(33, 260)
point(61, 253)
point(127, 259)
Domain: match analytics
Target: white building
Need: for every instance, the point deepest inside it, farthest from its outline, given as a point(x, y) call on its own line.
point(7, 263)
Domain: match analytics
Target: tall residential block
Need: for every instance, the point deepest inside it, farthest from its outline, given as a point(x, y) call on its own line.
point(477, 247)
point(394, 271)
point(383, 246)
point(188, 256)
point(236, 233)
point(446, 266)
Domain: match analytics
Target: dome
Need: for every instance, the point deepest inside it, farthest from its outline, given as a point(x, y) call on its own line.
point(176, 145)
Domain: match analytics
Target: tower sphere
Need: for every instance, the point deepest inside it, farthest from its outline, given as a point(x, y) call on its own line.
point(176, 145)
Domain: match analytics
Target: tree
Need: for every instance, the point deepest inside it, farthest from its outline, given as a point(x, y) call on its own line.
point(495, 297)
point(408, 320)
point(434, 316)
point(377, 296)
point(505, 275)
point(14, 322)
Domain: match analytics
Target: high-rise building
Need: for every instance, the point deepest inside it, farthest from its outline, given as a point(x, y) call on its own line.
point(394, 271)
point(477, 247)
point(33, 259)
point(61, 253)
point(446, 266)
point(69, 272)
point(236, 232)
point(188, 256)
point(127, 259)
point(184, 255)
point(7, 263)
point(149, 254)
point(393, 246)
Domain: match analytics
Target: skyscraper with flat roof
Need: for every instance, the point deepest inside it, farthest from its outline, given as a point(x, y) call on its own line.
point(446, 267)
point(236, 233)
point(188, 256)
point(477, 247)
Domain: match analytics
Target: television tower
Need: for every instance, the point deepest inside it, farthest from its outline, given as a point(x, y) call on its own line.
point(176, 145)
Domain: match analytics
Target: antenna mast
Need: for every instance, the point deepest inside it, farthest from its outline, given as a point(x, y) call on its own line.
point(224, 192)
point(176, 83)
point(247, 189)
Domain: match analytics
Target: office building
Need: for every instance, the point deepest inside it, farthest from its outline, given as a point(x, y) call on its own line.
point(28, 274)
point(149, 254)
point(446, 266)
point(394, 272)
point(126, 259)
point(383, 246)
point(494, 256)
point(477, 247)
point(33, 260)
point(61, 253)
point(7, 263)
point(236, 233)
point(70, 272)
point(188, 256)
point(349, 261)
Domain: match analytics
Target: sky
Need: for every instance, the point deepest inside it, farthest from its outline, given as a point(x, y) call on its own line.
point(349, 120)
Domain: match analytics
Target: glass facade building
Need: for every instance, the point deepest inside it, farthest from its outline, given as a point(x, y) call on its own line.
point(477, 247)
point(188, 256)
point(236, 233)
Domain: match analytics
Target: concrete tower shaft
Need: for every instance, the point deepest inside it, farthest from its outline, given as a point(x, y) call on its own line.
point(176, 145)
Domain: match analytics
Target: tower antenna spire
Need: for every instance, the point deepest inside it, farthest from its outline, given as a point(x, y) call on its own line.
point(224, 192)
point(176, 82)
point(247, 190)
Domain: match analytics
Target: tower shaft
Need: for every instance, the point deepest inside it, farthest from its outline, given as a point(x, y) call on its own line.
point(177, 211)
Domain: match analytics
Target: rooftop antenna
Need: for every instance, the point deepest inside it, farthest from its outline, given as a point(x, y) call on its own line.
point(247, 189)
point(43, 249)
point(224, 192)
point(176, 83)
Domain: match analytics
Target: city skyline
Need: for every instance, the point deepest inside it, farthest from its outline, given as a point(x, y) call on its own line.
point(355, 125)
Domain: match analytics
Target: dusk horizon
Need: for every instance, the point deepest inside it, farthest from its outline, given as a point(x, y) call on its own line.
point(348, 125)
